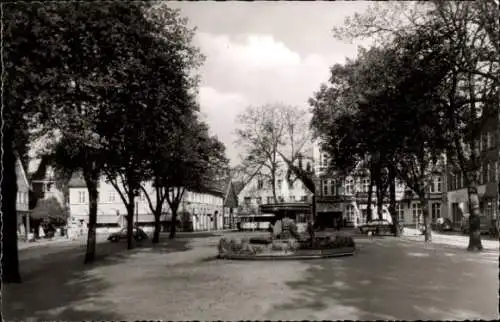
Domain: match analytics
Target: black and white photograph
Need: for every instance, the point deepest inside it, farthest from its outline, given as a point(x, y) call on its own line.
point(250, 160)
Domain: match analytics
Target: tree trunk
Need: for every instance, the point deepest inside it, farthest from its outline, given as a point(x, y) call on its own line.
point(130, 221)
point(156, 234)
point(273, 184)
point(91, 181)
point(392, 201)
point(474, 220)
point(173, 227)
point(425, 213)
point(370, 201)
point(380, 199)
point(10, 256)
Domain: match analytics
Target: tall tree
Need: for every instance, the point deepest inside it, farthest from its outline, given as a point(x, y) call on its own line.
point(261, 132)
point(469, 32)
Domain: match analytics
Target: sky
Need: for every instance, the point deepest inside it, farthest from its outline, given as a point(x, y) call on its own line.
point(263, 52)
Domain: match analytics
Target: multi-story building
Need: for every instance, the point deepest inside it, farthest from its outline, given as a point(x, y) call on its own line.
point(489, 154)
point(346, 198)
point(257, 190)
point(198, 210)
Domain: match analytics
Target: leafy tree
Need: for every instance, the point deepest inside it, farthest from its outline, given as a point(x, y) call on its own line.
point(195, 161)
point(468, 34)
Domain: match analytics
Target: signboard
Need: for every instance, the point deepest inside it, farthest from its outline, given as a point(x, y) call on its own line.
point(328, 207)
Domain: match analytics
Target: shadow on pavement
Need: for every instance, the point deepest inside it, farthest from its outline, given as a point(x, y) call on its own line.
point(201, 234)
point(389, 282)
point(60, 287)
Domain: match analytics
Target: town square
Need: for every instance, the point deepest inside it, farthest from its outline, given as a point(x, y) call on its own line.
point(258, 160)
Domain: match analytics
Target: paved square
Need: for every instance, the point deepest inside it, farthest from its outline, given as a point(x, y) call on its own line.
point(387, 279)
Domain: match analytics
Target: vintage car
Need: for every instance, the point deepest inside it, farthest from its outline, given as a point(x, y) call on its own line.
point(138, 234)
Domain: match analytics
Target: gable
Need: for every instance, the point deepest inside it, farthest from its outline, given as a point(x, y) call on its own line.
point(22, 179)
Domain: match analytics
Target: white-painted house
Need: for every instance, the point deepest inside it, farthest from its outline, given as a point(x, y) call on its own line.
point(199, 210)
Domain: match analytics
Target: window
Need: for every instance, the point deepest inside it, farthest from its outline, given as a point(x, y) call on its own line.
point(292, 184)
point(324, 160)
point(365, 184)
point(270, 199)
point(247, 200)
point(400, 212)
point(484, 139)
point(303, 198)
point(350, 213)
point(111, 196)
point(436, 211)
point(494, 171)
point(259, 200)
point(488, 140)
point(480, 176)
point(416, 211)
point(325, 187)
point(349, 186)
point(81, 197)
point(292, 198)
point(260, 184)
point(487, 173)
point(281, 199)
point(438, 184)
point(333, 190)
point(280, 182)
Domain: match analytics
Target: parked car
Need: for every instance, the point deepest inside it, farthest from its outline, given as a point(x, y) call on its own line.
point(377, 227)
point(445, 225)
point(138, 234)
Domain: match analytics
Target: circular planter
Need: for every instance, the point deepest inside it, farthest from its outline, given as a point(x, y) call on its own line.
point(292, 255)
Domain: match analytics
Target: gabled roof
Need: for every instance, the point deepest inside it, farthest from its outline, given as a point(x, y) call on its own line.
point(49, 207)
point(22, 179)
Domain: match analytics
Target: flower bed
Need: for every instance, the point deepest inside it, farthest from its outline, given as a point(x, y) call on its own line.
point(263, 248)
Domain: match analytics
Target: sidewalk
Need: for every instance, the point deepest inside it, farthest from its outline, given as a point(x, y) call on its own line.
point(42, 242)
point(446, 239)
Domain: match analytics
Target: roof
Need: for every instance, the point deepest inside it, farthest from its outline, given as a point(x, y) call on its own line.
point(49, 207)
point(22, 179)
point(77, 181)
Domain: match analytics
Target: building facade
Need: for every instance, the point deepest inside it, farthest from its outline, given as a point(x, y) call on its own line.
point(346, 199)
point(197, 211)
point(489, 176)
point(257, 190)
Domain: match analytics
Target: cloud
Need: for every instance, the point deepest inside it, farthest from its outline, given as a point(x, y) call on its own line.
point(253, 69)
point(220, 109)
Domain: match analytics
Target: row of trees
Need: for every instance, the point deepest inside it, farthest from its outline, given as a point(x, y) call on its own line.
point(112, 87)
point(416, 98)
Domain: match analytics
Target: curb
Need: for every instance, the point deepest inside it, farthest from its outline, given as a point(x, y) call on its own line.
point(292, 256)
